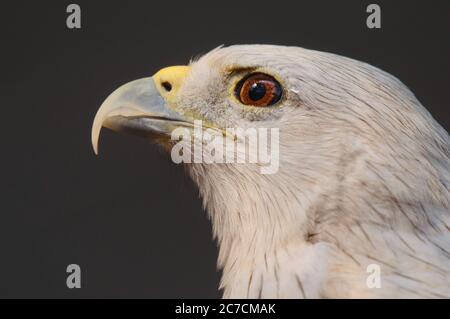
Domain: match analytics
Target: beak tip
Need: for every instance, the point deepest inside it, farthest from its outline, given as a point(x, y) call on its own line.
point(95, 147)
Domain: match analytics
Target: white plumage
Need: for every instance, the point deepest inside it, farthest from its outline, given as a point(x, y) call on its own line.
point(363, 179)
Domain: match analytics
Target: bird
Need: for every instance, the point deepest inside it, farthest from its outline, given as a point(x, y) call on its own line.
point(358, 206)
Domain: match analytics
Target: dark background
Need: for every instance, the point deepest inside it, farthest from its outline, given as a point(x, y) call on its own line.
point(130, 218)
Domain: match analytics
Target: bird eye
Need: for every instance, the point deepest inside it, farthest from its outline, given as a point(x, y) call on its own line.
point(258, 89)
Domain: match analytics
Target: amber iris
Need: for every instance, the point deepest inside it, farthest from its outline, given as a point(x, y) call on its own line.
point(258, 89)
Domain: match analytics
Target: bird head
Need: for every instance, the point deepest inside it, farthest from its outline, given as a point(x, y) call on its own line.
point(299, 92)
point(247, 87)
point(349, 133)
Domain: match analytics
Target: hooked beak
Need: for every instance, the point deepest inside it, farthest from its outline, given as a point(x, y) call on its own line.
point(143, 107)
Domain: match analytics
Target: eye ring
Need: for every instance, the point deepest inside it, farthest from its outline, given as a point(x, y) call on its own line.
point(258, 89)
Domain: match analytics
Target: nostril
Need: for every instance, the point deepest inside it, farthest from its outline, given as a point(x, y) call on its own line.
point(167, 86)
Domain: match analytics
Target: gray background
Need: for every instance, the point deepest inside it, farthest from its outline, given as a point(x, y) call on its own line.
point(129, 217)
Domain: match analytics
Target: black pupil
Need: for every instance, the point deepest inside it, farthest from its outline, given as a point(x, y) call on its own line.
point(257, 91)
